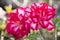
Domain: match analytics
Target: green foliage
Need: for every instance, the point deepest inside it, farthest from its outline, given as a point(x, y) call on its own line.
point(0, 22)
point(35, 35)
point(57, 22)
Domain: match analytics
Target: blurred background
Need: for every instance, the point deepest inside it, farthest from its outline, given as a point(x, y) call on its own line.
point(43, 35)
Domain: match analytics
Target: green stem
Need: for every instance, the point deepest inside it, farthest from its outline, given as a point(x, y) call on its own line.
point(41, 34)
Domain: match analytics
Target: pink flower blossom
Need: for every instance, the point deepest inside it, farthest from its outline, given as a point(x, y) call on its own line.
point(16, 25)
point(34, 17)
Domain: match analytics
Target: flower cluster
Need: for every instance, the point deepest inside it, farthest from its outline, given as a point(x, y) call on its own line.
point(23, 19)
point(43, 13)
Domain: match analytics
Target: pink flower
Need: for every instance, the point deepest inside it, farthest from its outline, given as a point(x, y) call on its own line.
point(50, 26)
point(47, 25)
point(16, 25)
point(43, 11)
point(44, 24)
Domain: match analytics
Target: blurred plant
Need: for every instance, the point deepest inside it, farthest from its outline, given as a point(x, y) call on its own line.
point(2, 13)
point(8, 8)
point(25, 2)
point(57, 22)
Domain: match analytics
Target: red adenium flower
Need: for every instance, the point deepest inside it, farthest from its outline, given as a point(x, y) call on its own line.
point(50, 26)
point(16, 25)
point(47, 24)
point(33, 25)
point(43, 11)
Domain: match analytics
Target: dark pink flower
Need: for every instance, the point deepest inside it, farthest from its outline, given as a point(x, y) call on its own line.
point(16, 25)
point(50, 26)
point(43, 11)
point(47, 24)
point(44, 24)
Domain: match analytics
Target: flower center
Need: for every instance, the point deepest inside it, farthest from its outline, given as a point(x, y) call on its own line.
point(17, 23)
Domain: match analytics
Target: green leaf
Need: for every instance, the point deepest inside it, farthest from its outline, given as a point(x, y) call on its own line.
point(56, 20)
point(58, 24)
point(33, 36)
